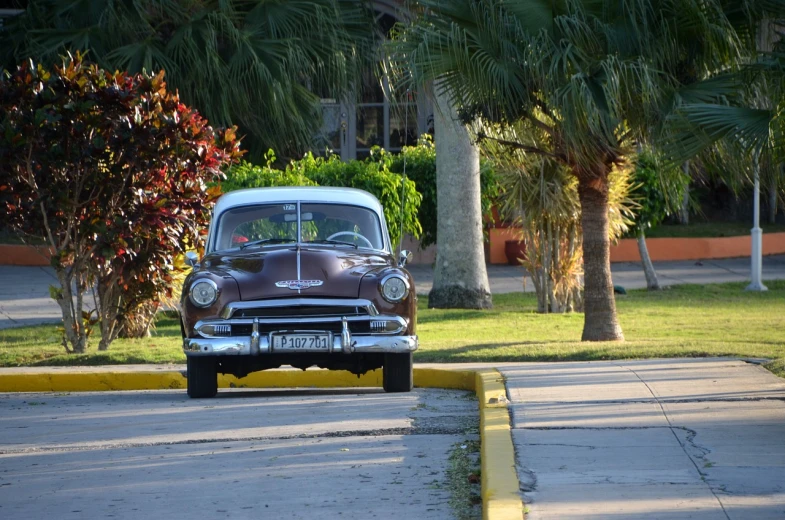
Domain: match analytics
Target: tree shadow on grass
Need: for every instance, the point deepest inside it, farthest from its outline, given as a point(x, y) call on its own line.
point(483, 353)
point(116, 357)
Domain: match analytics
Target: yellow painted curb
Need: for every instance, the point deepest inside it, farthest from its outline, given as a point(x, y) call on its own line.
point(91, 381)
point(84, 381)
point(500, 497)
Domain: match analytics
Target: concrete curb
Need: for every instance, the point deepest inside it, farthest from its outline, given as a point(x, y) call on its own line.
point(500, 497)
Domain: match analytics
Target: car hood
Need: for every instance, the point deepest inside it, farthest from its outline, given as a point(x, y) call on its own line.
point(257, 272)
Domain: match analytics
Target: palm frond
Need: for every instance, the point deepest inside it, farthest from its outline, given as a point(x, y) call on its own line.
point(247, 62)
point(696, 126)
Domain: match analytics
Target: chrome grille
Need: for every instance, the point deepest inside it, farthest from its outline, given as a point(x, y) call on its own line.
point(222, 330)
point(355, 327)
point(378, 326)
point(301, 314)
point(300, 311)
point(300, 308)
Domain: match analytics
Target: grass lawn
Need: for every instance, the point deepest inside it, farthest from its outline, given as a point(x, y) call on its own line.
point(682, 321)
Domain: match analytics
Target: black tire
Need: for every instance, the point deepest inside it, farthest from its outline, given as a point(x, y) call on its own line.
point(398, 373)
point(202, 377)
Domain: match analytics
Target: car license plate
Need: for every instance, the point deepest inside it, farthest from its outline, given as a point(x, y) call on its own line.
point(302, 342)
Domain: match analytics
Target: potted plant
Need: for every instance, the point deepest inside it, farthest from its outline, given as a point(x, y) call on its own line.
point(515, 250)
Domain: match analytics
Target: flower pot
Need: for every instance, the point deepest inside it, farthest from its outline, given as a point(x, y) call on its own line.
point(515, 250)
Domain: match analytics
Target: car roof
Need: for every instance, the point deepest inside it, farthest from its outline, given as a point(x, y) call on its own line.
point(249, 196)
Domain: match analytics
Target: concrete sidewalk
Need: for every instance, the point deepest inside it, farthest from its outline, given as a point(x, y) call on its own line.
point(654, 439)
point(24, 291)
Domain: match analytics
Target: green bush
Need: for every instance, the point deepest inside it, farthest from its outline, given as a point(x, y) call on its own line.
point(247, 175)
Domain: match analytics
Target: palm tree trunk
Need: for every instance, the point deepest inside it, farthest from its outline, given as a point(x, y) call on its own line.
point(460, 280)
point(652, 283)
point(600, 321)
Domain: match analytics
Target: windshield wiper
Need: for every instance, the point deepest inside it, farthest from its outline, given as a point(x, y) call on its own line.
point(266, 241)
point(336, 242)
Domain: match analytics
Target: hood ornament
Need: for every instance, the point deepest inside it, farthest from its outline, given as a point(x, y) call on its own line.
point(297, 285)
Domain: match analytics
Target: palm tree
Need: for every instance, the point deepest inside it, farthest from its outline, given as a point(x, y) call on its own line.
point(594, 75)
point(259, 64)
point(460, 280)
point(541, 195)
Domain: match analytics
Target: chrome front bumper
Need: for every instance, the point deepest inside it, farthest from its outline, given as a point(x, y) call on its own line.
point(245, 346)
point(259, 342)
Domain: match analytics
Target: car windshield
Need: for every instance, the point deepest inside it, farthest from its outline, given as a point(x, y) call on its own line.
point(329, 225)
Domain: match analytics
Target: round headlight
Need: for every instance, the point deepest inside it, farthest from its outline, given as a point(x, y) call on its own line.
point(394, 288)
point(203, 293)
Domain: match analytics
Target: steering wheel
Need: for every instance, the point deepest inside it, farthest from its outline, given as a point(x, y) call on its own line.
point(351, 233)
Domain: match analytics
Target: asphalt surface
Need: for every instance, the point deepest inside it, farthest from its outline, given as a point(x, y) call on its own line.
point(24, 291)
point(329, 454)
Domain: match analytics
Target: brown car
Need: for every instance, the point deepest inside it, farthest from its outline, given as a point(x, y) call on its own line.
point(302, 277)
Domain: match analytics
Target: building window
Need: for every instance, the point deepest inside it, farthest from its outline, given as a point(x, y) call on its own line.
point(352, 129)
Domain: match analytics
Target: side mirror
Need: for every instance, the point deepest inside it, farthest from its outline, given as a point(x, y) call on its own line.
point(405, 257)
point(192, 259)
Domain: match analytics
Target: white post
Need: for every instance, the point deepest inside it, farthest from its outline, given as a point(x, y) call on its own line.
point(757, 233)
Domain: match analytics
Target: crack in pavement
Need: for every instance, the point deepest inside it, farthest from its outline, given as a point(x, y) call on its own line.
point(689, 431)
point(527, 481)
point(720, 266)
point(355, 433)
point(689, 439)
point(6, 315)
point(665, 400)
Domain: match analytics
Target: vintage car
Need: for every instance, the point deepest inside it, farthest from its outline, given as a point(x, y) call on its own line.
point(299, 276)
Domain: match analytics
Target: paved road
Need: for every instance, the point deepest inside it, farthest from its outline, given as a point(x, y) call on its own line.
point(246, 454)
point(654, 439)
point(24, 291)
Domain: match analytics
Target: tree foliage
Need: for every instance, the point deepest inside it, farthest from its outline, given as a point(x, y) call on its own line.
point(658, 189)
point(257, 64)
point(110, 169)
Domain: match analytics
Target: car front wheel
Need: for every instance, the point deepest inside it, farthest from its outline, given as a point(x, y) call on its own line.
point(398, 373)
point(202, 377)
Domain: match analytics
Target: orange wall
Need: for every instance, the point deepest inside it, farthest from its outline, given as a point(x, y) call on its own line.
point(23, 255)
point(696, 248)
point(660, 248)
point(625, 251)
